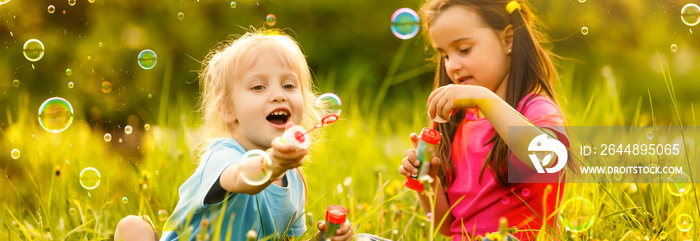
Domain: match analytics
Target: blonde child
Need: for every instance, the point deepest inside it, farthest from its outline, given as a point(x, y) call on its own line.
point(492, 74)
point(253, 88)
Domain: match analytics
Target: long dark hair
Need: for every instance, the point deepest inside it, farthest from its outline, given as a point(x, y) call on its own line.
point(532, 71)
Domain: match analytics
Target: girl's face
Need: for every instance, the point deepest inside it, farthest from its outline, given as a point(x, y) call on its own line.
point(474, 54)
point(266, 97)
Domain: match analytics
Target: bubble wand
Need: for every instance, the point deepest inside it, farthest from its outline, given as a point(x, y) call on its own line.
point(296, 136)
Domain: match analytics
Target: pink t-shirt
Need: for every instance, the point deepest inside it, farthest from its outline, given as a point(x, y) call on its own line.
point(486, 202)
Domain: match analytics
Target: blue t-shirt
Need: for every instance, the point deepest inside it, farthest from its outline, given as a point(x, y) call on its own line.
point(271, 212)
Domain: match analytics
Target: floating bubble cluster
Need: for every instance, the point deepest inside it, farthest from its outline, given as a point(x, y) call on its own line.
point(405, 23)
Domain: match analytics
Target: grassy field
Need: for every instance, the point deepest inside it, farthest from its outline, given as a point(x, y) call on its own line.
point(355, 166)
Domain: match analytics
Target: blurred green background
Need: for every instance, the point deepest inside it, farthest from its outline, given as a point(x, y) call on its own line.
point(610, 76)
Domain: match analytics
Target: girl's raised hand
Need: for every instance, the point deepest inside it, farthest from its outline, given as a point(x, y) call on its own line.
point(343, 233)
point(409, 164)
point(285, 156)
point(442, 100)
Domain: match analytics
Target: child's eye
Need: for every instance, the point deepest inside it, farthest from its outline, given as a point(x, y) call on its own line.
point(257, 87)
point(464, 51)
point(288, 86)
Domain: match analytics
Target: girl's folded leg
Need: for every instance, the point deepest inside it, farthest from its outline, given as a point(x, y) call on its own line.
point(135, 228)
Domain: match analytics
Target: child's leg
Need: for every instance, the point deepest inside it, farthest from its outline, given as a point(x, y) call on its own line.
point(135, 228)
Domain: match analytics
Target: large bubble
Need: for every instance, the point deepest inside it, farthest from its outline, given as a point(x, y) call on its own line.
point(577, 214)
point(33, 50)
point(405, 23)
point(684, 222)
point(330, 106)
point(678, 184)
point(55, 115)
point(690, 14)
point(147, 59)
point(89, 178)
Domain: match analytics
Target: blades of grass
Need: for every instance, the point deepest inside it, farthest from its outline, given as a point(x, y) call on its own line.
point(24, 231)
point(388, 79)
point(411, 74)
point(444, 217)
point(163, 108)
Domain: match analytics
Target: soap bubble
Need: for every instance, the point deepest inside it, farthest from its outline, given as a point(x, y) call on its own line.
point(690, 14)
point(147, 127)
point(684, 222)
point(51, 9)
point(663, 235)
point(108, 137)
point(148, 59)
point(71, 211)
point(180, 16)
point(15, 83)
point(526, 192)
point(162, 215)
point(128, 129)
point(330, 106)
point(650, 135)
point(14, 154)
point(55, 115)
point(679, 184)
point(271, 20)
point(505, 199)
point(33, 50)
point(69, 72)
point(674, 48)
point(584, 30)
point(233, 4)
point(256, 175)
point(125, 200)
point(89, 178)
point(405, 23)
point(577, 214)
point(71, 2)
point(70, 85)
point(106, 87)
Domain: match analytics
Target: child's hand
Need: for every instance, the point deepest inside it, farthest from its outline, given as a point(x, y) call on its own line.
point(285, 156)
point(343, 233)
point(442, 100)
point(409, 165)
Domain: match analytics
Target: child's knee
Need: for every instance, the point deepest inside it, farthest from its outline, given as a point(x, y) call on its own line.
point(135, 228)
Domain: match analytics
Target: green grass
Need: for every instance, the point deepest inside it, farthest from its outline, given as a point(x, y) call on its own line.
point(355, 166)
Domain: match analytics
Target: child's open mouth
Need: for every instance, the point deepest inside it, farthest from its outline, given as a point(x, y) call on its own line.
point(279, 117)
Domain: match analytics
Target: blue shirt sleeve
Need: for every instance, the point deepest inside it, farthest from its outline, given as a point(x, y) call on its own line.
point(211, 167)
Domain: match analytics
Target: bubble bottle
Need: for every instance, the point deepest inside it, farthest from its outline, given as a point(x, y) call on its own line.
point(335, 217)
point(296, 136)
point(429, 139)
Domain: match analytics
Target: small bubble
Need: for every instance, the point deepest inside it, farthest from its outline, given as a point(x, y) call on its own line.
point(663, 235)
point(180, 16)
point(650, 135)
point(70, 85)
point(125, 200)
point(674, 48)
point(271, 20)
point(91, 1)
point(128, 129)
point(147, 127)
point(162, 215)
point(684, 222)
point(429, 217)
point(51, 9)
point(584, 30)
point(15, 83)
point(233, 4)
point(33, 50)
point(526, 192)
point(71, 2)
point(55, 115)
point(90, 178)
point(150, 96)
point(99, 44)
point(108, 137)
point(106, 87)
point(147, 58)
point(14, 154)
point(505, 199)
point(582, 1)
point(72, 211)
point(690, 14)
point(69, 72)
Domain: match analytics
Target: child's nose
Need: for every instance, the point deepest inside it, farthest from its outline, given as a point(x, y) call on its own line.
point(278, 96)
point(452, 66)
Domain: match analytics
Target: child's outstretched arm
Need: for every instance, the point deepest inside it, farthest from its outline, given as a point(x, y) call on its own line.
point(284, 157)
point(499, 113)
point(408, 168)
